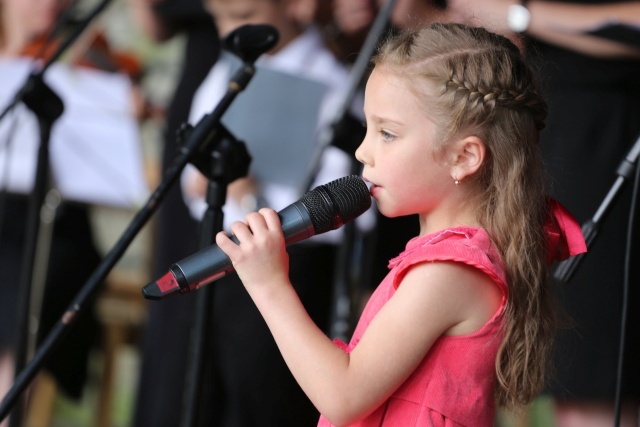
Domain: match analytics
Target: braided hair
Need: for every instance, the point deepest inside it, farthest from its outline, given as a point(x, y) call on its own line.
point(473, 82)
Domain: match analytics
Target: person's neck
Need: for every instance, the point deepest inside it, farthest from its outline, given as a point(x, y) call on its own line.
point(459, 214)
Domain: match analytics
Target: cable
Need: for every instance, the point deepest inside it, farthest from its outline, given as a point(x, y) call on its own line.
point(625, 299)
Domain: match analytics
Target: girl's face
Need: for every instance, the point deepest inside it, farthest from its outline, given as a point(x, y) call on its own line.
point(397, 151)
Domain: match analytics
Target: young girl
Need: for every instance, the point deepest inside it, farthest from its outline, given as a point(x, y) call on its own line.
point(463, 318)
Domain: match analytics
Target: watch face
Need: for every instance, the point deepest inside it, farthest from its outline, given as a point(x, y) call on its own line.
point(518, 18)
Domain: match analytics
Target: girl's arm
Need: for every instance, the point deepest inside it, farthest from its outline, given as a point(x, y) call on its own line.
point(434, 298)
point(560, 24)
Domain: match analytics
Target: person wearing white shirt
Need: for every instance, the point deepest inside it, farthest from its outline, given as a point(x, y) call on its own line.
point(252, 385)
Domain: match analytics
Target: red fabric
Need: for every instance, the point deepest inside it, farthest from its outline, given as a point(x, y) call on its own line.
point(454, 384)
point(564, 234)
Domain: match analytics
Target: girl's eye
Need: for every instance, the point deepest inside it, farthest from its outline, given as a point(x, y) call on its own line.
point(386, 136)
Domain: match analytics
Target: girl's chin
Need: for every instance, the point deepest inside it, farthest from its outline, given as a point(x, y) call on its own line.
point(386, 211)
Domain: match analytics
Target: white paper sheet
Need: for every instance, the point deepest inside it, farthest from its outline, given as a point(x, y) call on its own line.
point(281, 153)
point(95, 148)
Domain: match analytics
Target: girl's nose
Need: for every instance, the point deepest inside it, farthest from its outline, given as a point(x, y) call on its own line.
point(361, 152)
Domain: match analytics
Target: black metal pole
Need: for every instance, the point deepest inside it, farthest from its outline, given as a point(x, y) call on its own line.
point(227, 161)
point(48, 107)
point(340, 134)
point(330, 135)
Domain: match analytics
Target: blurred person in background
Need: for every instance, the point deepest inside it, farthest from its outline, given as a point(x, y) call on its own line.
point(252, 384)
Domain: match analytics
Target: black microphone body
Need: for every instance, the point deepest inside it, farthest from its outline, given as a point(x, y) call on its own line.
point(322, 209)
point(211, 263)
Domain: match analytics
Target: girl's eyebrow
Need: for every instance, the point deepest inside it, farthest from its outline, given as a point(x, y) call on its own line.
point(384, 120)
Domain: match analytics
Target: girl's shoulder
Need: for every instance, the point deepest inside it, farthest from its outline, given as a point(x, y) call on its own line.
point(458, 269)
point(471, 246)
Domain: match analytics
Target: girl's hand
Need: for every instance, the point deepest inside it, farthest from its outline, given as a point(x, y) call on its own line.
point(261, 258)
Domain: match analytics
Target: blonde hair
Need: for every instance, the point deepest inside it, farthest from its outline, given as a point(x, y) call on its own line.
point(484, 87)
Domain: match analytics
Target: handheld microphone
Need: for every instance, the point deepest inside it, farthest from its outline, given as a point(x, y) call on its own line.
point(325, 208)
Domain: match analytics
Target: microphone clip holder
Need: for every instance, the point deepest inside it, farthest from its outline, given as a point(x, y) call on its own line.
point(41, 99)
point(221, 157)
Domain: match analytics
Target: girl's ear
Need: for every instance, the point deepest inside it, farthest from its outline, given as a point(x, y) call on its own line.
point(468, 156)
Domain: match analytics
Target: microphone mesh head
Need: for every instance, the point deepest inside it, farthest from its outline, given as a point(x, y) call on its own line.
point(334, 204)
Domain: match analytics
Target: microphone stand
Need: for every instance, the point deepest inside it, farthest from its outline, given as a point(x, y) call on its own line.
point(223, 163)
point(206, 130)
point(590, 228)
point(333, 134)
point(48, 107)
point(341, 134)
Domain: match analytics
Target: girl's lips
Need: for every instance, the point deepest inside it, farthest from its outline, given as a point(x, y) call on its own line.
point(373, 189)
point(370, 185)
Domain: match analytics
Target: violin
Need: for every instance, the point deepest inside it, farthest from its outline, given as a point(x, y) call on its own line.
point(91, 51)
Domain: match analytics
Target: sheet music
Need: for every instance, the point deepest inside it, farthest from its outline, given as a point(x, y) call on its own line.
point(277, 117)
point(95, 148)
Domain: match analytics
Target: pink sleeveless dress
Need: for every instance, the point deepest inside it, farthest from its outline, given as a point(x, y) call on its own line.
point(454, 384)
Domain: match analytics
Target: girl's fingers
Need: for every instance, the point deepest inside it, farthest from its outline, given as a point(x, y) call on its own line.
point(256, 224)
point(228, 246)
point(271, 219)
point(241, 231)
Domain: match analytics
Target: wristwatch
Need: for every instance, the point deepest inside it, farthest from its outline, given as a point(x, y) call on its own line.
point(518, 17)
